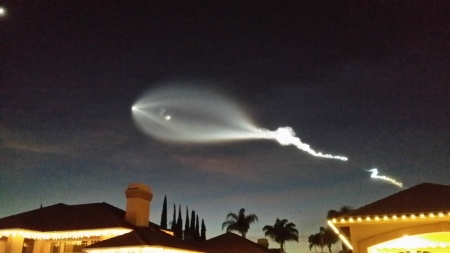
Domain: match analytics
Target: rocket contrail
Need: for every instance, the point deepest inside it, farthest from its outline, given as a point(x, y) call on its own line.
point(200, 116)
point(286, 136)
point(385, 178)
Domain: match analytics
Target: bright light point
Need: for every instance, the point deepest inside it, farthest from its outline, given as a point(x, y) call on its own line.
point(134, 108)
point(385, 178)
point(285, 135)
point(167, 117)
point(2, 11)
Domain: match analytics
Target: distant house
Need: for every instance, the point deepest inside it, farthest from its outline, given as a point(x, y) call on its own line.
point(413, 220)
point(102, 228)
point(232, 243)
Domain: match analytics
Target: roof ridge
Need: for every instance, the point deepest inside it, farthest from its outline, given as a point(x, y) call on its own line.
point(405, 201)
point(34, 210)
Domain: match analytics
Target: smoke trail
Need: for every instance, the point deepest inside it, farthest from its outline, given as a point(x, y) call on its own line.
point(286, 136)
point(198, 115)
point(385, 178)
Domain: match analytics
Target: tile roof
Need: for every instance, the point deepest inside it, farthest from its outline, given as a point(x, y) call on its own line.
point(422, 198)
point(232, 243)
point(62, 217)
point(143, 236)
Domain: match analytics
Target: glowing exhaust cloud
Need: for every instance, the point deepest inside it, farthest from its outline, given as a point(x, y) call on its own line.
point(385, 178)
point(286, 136)
point(2, 11)
point(191, 115)
point(201, 116)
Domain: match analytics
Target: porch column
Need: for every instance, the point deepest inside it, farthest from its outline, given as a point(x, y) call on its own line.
point(2, 246)
point(46, 246)
point(14, 244)
point(37, 246)
point(68, 248)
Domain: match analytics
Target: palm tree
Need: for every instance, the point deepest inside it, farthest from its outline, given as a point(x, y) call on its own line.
point(315, 240)
point(334, 213)
point(332, 239)
point(328, 237)
point(312, 243)
point(239, 222)
point(281, 232)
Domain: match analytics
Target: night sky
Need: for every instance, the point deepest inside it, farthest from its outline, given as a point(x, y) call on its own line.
point(369, 81)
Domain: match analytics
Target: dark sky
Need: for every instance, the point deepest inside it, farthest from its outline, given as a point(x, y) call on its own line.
point(367, 80)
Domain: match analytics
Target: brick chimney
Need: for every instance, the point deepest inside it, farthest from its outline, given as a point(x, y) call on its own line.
point(263, 242)
point(138, 204)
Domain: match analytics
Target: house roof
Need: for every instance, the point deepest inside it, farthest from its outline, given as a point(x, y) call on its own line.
point(62, 217)
point(232, 243)
point(422, 198)
point(225, 243)
point(145, 236)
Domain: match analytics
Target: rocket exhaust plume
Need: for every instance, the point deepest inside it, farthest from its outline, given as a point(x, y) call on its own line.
point(385, 178)
point(286, 136)
point(198, 115)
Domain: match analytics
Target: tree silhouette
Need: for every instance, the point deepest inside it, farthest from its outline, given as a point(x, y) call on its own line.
point(179, 224)
point(328, 237)
point(197, 230)
point(186, 226)
point(325, 237)
point(164, 214)
point(315, 241)
point(334, 214)
point(239, 222)
point(173, 226)
point(281, 232)
point(192, 227)
point(203, 232)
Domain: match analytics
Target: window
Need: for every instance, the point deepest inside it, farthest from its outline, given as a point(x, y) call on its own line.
point(28, 246)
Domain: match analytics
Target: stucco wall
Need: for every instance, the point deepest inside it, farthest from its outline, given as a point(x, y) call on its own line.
point(366, 234)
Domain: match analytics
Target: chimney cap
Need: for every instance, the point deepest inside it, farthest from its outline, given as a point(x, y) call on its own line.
point(139, 186)
point(263, 242)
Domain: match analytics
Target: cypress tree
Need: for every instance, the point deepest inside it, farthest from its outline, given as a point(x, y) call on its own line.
point(186, 225)
point(197, 230)
point(179, 225)
point(192, 227)
point(174, 223)
point(164, 214)
point(203, 232)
